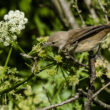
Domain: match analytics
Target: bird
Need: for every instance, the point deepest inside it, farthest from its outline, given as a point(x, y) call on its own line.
point(80, 39)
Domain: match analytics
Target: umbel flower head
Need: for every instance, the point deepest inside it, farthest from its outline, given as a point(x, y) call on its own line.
point(14, 22)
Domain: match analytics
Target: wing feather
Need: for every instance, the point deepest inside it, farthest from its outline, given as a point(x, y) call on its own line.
point(83, 33)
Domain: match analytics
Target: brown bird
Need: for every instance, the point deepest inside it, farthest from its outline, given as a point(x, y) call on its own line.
point(79, 40)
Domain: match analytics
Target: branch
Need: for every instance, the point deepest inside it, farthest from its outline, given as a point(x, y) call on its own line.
point(63, 11)
point(79, 11)
point(62, 103)
point(101, 103)
point(22, 82)
point(100, 90)
point(91, 9)
point(67, 11)
point(96, 100)
point(15, 86)
point(76, 61)
point(92, 80)
point(104, 11)
point(58, 11)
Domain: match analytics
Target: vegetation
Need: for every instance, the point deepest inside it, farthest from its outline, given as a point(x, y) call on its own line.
point(32, 77)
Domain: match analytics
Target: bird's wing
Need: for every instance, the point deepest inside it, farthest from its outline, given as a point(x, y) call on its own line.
point(83, 33)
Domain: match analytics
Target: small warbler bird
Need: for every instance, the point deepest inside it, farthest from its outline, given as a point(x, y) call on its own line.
point(79, 40)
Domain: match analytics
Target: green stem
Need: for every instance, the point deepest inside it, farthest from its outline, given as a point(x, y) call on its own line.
point(21, 49)
point(84, 78)
point(7, 60)
point(16, 45)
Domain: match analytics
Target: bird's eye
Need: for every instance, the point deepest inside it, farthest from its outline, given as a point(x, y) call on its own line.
point(53, 42)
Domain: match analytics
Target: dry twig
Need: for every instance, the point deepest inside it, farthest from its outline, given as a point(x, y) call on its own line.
point(91, 9)
point(62, 103)
point(101, 90)
point(79, 12)
point(76, 61)
point(67, 11)
point(101, 103)
point(104, 11)
point(92, 80)
point(96, 100)
point(63, 11)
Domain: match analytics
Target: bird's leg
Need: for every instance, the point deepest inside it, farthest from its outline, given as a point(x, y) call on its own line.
point(73, 46)
point(69, 49)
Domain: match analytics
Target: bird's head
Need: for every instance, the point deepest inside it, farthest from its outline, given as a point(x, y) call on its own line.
point(58, 39)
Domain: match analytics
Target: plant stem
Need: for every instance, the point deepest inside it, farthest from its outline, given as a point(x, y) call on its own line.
point(7, 60)
point(92, 80)
point(21, 49)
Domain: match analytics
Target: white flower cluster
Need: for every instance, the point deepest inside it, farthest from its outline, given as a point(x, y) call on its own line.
point(14, 22)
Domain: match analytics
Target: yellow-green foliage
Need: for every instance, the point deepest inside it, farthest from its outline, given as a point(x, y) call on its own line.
point(33, 77)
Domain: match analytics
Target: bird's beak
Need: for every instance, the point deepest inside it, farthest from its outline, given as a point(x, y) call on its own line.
point(45, 44)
